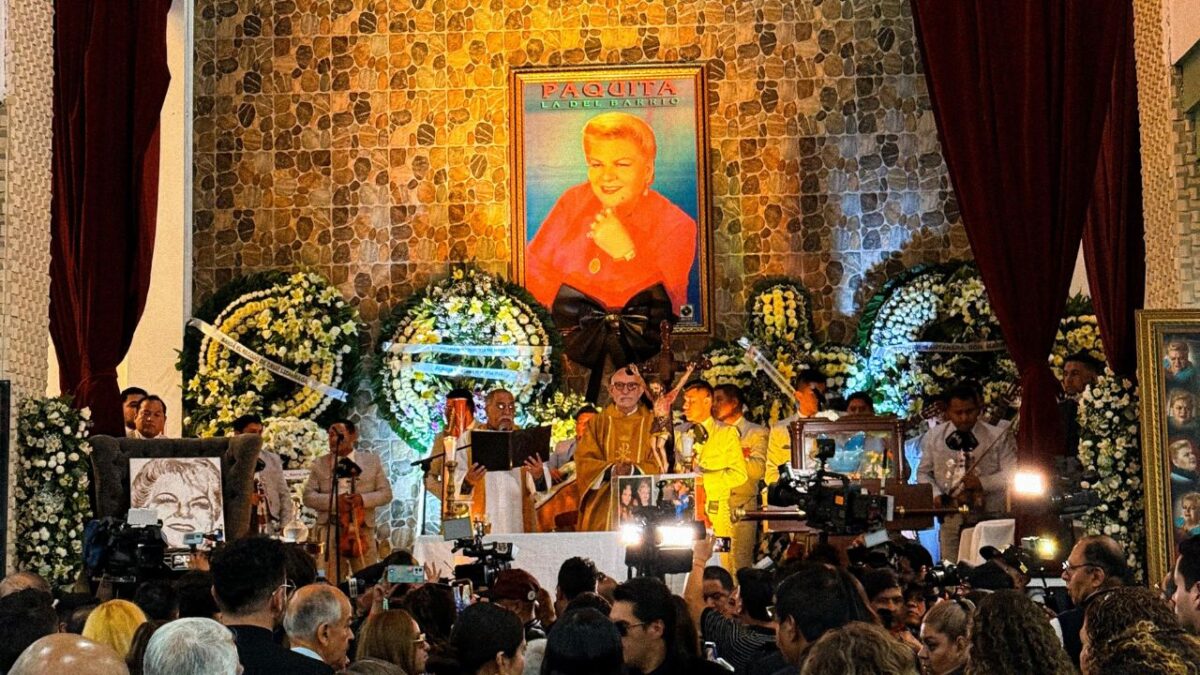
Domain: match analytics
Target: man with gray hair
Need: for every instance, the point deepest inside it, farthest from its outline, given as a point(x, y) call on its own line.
point(19, 581)
point(193, 646)
point(318, 624)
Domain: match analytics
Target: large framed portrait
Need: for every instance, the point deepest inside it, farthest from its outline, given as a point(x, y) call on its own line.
point(1167, 342)
point(610, 188)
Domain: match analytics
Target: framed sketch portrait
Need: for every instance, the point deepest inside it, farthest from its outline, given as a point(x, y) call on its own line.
point(1168, 343)
point(610, 188)
point(185, 491)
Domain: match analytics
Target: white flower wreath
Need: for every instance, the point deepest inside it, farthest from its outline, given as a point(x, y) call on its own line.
point(470, 309)
point(298, 321)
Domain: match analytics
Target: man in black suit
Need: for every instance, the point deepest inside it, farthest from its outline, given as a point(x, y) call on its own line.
point(251, 589)
point(1097, 563)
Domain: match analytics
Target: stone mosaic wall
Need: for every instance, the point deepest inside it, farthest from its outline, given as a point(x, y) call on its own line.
point(368, 139)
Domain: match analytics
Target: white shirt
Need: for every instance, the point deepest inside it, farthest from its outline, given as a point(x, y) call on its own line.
point(344, 483)
point(308, 652)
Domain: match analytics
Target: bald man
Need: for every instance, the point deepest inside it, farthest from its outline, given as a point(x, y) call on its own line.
point(19, 581)
point(66, 653)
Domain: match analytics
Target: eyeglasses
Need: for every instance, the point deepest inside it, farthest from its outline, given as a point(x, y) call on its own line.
point(1069, 569)
point(626, 386)
point(420, 641)
point(624, 626)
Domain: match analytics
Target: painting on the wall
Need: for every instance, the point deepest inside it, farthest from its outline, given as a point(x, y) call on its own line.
point(610, 189)
point(1168, 345)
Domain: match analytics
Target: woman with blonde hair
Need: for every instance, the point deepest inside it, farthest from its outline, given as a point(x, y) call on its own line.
point(945, 639)
point(859, 648)
point(395, 637)
point(114, 623)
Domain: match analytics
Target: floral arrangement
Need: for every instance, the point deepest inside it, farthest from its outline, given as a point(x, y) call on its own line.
point(469, 308)
point(1109, 444)
point(296, 441)
point(912, 307)
point(779, 312)
point(52, 487)
point(299, 321)
point(1079, 331)
point(944, 305)
point(558, 411)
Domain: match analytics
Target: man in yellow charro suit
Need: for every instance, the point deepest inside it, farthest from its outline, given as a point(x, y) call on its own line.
point(618, 442)
point(713, 449)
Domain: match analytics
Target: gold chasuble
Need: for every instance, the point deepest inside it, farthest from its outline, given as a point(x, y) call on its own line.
point(612, 437)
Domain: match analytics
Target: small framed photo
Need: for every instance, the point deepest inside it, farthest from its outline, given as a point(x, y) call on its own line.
point(1167, 341)
point(679, 491)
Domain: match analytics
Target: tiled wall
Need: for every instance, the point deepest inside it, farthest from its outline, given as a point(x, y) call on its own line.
point(368, 139)
point(25, 201)
point(1187, 180)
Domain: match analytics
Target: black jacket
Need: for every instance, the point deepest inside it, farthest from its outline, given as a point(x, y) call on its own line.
point(260, 655)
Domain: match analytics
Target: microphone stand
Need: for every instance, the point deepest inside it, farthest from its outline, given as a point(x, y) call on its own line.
point(334, 530)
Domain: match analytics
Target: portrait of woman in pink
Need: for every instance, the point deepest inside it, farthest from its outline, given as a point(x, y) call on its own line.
point(613, 235)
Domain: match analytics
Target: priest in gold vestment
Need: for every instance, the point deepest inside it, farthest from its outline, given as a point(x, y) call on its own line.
point(618, 443)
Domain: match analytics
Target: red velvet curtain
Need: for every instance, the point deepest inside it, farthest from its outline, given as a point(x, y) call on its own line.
point(1113, 246)
point(1020, 92)
point(110, 79)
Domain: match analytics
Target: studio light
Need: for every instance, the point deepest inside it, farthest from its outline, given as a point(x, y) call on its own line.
point(676, 536)
point(631, 534)
point(1029, 484)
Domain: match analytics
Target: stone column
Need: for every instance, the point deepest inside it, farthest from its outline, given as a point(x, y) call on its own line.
point(25, 205)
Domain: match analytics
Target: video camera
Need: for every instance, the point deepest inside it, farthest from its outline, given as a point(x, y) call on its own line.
point(491, 558)
point(125, 553)
point(1068, 498)
point(841, 508)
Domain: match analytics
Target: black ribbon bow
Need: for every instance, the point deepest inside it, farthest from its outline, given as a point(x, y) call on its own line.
point(595, 333)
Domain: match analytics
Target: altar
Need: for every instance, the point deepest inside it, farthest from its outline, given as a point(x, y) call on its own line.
point(541, 554)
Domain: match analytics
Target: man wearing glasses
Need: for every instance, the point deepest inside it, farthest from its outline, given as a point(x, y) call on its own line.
point(1096, 564)
point(495, 493)
point(618, 442)
point(251, 588)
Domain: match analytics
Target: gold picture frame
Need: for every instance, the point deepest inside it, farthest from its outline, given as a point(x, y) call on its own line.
point(551, 208)
point(1165, 478)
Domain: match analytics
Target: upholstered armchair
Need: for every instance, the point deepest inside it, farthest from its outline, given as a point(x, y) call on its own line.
point(239, 454)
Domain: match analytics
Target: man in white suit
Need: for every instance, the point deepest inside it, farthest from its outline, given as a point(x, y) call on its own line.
point(372, 484)
point(280, 509)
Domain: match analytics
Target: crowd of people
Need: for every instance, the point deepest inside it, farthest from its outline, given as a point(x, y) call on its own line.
point(261, 608)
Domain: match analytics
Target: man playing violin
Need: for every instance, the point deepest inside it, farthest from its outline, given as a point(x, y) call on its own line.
point(968, 462)
point(357, 496)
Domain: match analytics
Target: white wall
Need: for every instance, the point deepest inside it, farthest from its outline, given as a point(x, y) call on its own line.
point(150, 363)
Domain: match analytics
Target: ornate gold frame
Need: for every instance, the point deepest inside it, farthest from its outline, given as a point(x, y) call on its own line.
point(811, 426)
point(698, 73)
point(1152, 326)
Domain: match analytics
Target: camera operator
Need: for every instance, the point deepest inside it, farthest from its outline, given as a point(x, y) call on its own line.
point(954, 446)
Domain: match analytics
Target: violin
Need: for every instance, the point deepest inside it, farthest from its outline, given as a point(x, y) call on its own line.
point(259, 516)
point(969, 491)
point(352, 517)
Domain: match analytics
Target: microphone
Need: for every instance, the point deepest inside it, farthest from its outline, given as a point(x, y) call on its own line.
point(347, 469)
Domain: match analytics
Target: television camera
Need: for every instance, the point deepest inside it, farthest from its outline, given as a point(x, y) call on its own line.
point(659, 542)
point(829, 501)
point(491, 558)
